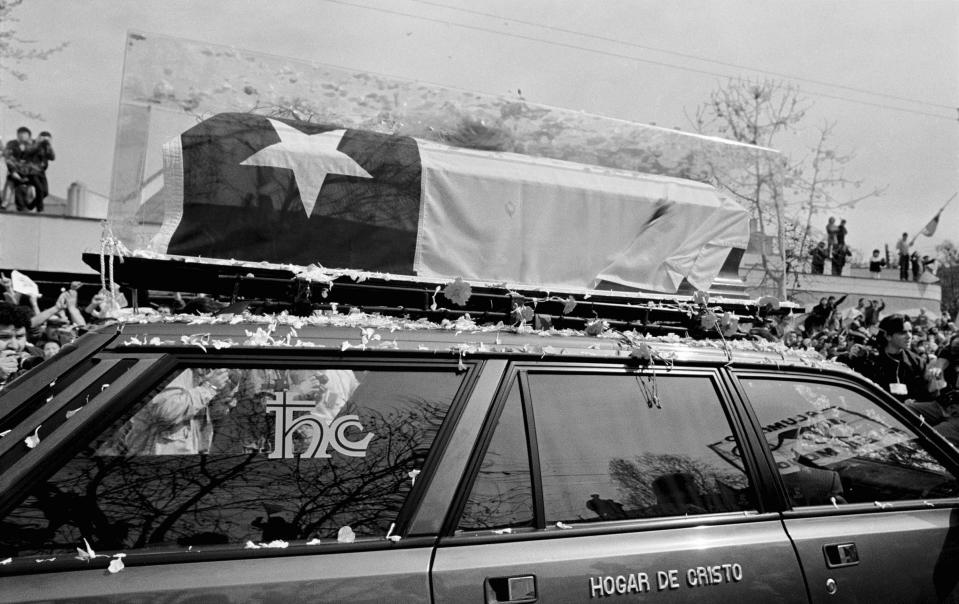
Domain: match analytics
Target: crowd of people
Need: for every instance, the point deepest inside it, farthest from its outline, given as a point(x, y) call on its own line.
point(837, 252)
point(29, 335)
point(26, 159)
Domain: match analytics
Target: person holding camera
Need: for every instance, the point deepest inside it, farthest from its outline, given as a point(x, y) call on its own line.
point(16, 355)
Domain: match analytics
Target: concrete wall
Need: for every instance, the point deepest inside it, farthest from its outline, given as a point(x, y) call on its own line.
point(35, 242)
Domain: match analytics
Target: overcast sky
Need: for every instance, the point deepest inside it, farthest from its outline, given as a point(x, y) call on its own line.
point(905, 135)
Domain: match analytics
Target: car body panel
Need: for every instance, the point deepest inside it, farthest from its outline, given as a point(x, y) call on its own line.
point(391, 575)
point(580, 568)
point(910, 555)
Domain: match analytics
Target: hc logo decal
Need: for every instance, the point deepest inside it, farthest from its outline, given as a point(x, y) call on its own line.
point(294, 418)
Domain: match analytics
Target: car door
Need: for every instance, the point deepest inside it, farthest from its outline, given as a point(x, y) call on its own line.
point(599, 481)
point(225, 478)
point(874, 510)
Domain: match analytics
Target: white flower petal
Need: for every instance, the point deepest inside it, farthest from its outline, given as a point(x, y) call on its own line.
point(34, 439)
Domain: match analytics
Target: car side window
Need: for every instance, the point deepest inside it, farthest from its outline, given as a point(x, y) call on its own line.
point(834, 445)
point(242, 457)
point(502, 493)
point(615, 446)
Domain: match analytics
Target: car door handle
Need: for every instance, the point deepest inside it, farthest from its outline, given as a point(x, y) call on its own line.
point(841, 554)
point(519, 589)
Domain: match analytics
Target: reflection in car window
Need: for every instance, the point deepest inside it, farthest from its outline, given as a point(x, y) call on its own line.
point(226, 456)
point(614, 447)
point(502, 494)
point(832, 445)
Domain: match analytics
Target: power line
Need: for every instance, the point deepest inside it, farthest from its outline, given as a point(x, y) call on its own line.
point(685, 55)
point(611, 54)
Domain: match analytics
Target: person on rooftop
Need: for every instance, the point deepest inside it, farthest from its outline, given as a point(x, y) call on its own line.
point(819, 255)
point(876, 262)
point(902, 247)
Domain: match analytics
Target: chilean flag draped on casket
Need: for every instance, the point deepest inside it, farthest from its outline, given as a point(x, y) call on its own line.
point(248, 187)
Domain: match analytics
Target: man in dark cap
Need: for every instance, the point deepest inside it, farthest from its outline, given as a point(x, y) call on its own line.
point(895, 367)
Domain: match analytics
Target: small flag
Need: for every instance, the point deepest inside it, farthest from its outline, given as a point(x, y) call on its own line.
point(930, 229)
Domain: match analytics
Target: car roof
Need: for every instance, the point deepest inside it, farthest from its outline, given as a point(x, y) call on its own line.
point(369, 332)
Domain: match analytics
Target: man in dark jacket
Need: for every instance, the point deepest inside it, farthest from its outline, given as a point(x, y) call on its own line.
point(819, 255)
point(839, 255)
point(895, 367)
point(41, 155)
point(22, 168)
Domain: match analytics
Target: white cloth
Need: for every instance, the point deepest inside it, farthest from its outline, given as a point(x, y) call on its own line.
point(520, 219)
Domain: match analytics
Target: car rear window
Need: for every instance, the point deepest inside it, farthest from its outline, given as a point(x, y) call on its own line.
point(243, 457)
point(833, 445)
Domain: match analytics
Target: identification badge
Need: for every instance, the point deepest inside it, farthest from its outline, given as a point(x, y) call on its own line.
point(898, 388)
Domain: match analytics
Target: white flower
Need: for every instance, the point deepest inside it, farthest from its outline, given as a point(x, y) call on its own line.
point(458, 292)
point(260, 337)
point(346, 535)
point(116, 565)
point(34, 439)
point(642, 353)
point(86, 555)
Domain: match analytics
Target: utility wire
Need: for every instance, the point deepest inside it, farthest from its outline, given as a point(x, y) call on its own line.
point(611, 54)
point(684, 55)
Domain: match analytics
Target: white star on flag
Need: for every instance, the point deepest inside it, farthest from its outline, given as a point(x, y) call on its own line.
point(310, 156)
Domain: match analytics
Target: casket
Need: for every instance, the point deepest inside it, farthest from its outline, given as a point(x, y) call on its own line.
point(249, 187)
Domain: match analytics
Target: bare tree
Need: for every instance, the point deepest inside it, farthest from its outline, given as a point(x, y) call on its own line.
point(15, 50)
point(782, 193)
